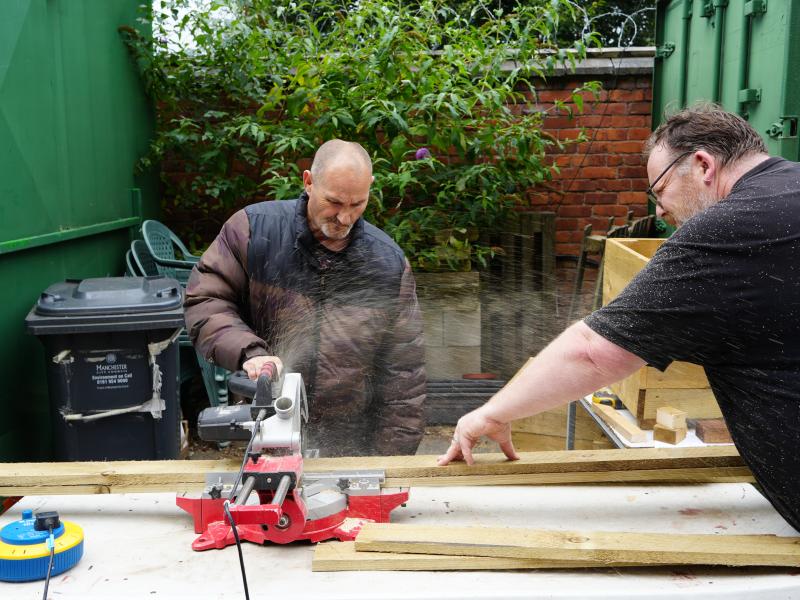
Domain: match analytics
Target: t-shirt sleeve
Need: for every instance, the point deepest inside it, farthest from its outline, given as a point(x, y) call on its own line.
point(674, 309)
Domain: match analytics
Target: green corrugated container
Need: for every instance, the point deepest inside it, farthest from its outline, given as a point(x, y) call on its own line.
point(73, 121)
point(742, 54)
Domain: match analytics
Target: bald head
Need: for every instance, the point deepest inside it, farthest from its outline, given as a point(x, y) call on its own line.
point(341, 155)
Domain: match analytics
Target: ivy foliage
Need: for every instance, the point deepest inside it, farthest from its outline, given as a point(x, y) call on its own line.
point(442, 99)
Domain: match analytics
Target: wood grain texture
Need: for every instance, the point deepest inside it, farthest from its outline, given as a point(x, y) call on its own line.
point(676, 376)
point(598, 546)
point(624, 258)
point(627, 429)
point(693, 475)
point(668, 435)
point(671, 417)
point(713, 431)
point(699, 403)
point(342, 556)
point(20, 479)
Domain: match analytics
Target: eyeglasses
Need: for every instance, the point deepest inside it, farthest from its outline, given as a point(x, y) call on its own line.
point(650, 193)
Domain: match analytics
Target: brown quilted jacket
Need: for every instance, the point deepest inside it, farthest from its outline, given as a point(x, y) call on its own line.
point(349, 322)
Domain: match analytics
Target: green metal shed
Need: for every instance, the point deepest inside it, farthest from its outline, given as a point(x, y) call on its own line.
point(740, 53)
point(73, 121)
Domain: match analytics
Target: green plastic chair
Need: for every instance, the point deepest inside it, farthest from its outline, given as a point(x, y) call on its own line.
point(130, 268)
point(143, 262)
point(165, 247)
point(215, 379)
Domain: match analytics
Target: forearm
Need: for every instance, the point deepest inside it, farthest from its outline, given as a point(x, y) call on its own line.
point(575, 364)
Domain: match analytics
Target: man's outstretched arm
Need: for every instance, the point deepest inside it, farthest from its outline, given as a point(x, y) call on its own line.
point(575, 364)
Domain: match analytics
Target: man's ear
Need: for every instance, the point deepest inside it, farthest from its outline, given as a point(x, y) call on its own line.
point(708, 165)
point(306, 179)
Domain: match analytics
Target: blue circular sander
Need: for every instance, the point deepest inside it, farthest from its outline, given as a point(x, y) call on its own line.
point(25, 556)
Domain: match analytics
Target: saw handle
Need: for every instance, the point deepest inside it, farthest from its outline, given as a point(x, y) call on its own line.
point(269, 370)
point(263, 397)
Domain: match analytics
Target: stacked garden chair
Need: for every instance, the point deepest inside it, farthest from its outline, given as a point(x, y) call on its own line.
point(161, 252)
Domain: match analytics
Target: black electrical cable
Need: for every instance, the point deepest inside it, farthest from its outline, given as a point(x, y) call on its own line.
point(52, 545)
point(261, 415)
point(239, 548)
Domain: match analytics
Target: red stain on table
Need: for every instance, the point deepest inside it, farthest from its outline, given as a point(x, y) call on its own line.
point(691, 512)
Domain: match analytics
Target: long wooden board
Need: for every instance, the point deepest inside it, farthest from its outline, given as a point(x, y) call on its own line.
point(712, 463)
point(342, 556)
point(630, 431)
point(598, 546)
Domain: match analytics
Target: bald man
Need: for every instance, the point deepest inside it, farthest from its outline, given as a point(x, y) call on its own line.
point(310, 284)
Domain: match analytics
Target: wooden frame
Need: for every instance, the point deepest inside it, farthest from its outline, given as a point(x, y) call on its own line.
point(682, 385)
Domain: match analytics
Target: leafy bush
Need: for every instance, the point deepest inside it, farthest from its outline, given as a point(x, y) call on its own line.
point(442, 99)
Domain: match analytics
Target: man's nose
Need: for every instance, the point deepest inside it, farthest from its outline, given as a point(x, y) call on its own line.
point(660, 212)
point(345, 217)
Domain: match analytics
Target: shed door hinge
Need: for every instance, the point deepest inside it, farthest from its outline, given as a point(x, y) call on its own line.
point(785, 128)
point(749, 95)
point(755, 7)
point(665, 50)
point(709, 7)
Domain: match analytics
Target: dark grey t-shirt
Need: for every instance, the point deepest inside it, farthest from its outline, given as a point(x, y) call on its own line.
point(724, 292)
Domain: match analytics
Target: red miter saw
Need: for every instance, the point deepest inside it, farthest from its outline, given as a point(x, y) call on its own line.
point(291, 505)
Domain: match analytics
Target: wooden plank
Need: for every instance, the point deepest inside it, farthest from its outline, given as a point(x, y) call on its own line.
point(20, 479)
point(342, 556)
point(539, 442)
point(620, 423)
point(695, 475)
point(623, 259)
point(677, 375)
point(696, 403)
point(629, 391)
point(610, 547)
point(554, 422)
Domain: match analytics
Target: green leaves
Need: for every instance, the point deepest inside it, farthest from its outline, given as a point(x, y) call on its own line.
point(248, 90)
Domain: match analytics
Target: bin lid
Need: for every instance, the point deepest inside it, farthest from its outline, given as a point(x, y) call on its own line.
point(110, 296)
point(107, 304)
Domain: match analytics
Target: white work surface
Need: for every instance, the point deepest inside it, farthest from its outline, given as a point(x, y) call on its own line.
point(138, 546)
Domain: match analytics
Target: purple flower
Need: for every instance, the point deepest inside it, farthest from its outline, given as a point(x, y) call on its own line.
point(423, 153)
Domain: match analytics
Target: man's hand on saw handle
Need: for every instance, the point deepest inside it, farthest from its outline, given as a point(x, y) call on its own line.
point(469, 429)
point(254, 365)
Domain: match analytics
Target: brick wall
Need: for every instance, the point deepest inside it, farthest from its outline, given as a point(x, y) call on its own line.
point(604, 176)
point(600, 178)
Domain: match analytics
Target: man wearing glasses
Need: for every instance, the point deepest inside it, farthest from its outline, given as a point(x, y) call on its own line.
point(722, 292)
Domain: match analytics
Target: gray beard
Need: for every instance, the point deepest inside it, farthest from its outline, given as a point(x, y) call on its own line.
point(694, 205)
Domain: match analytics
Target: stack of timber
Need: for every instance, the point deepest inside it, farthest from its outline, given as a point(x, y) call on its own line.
point(682, 385)
point(710, 464)
point(670, 426)
point(461, 548)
